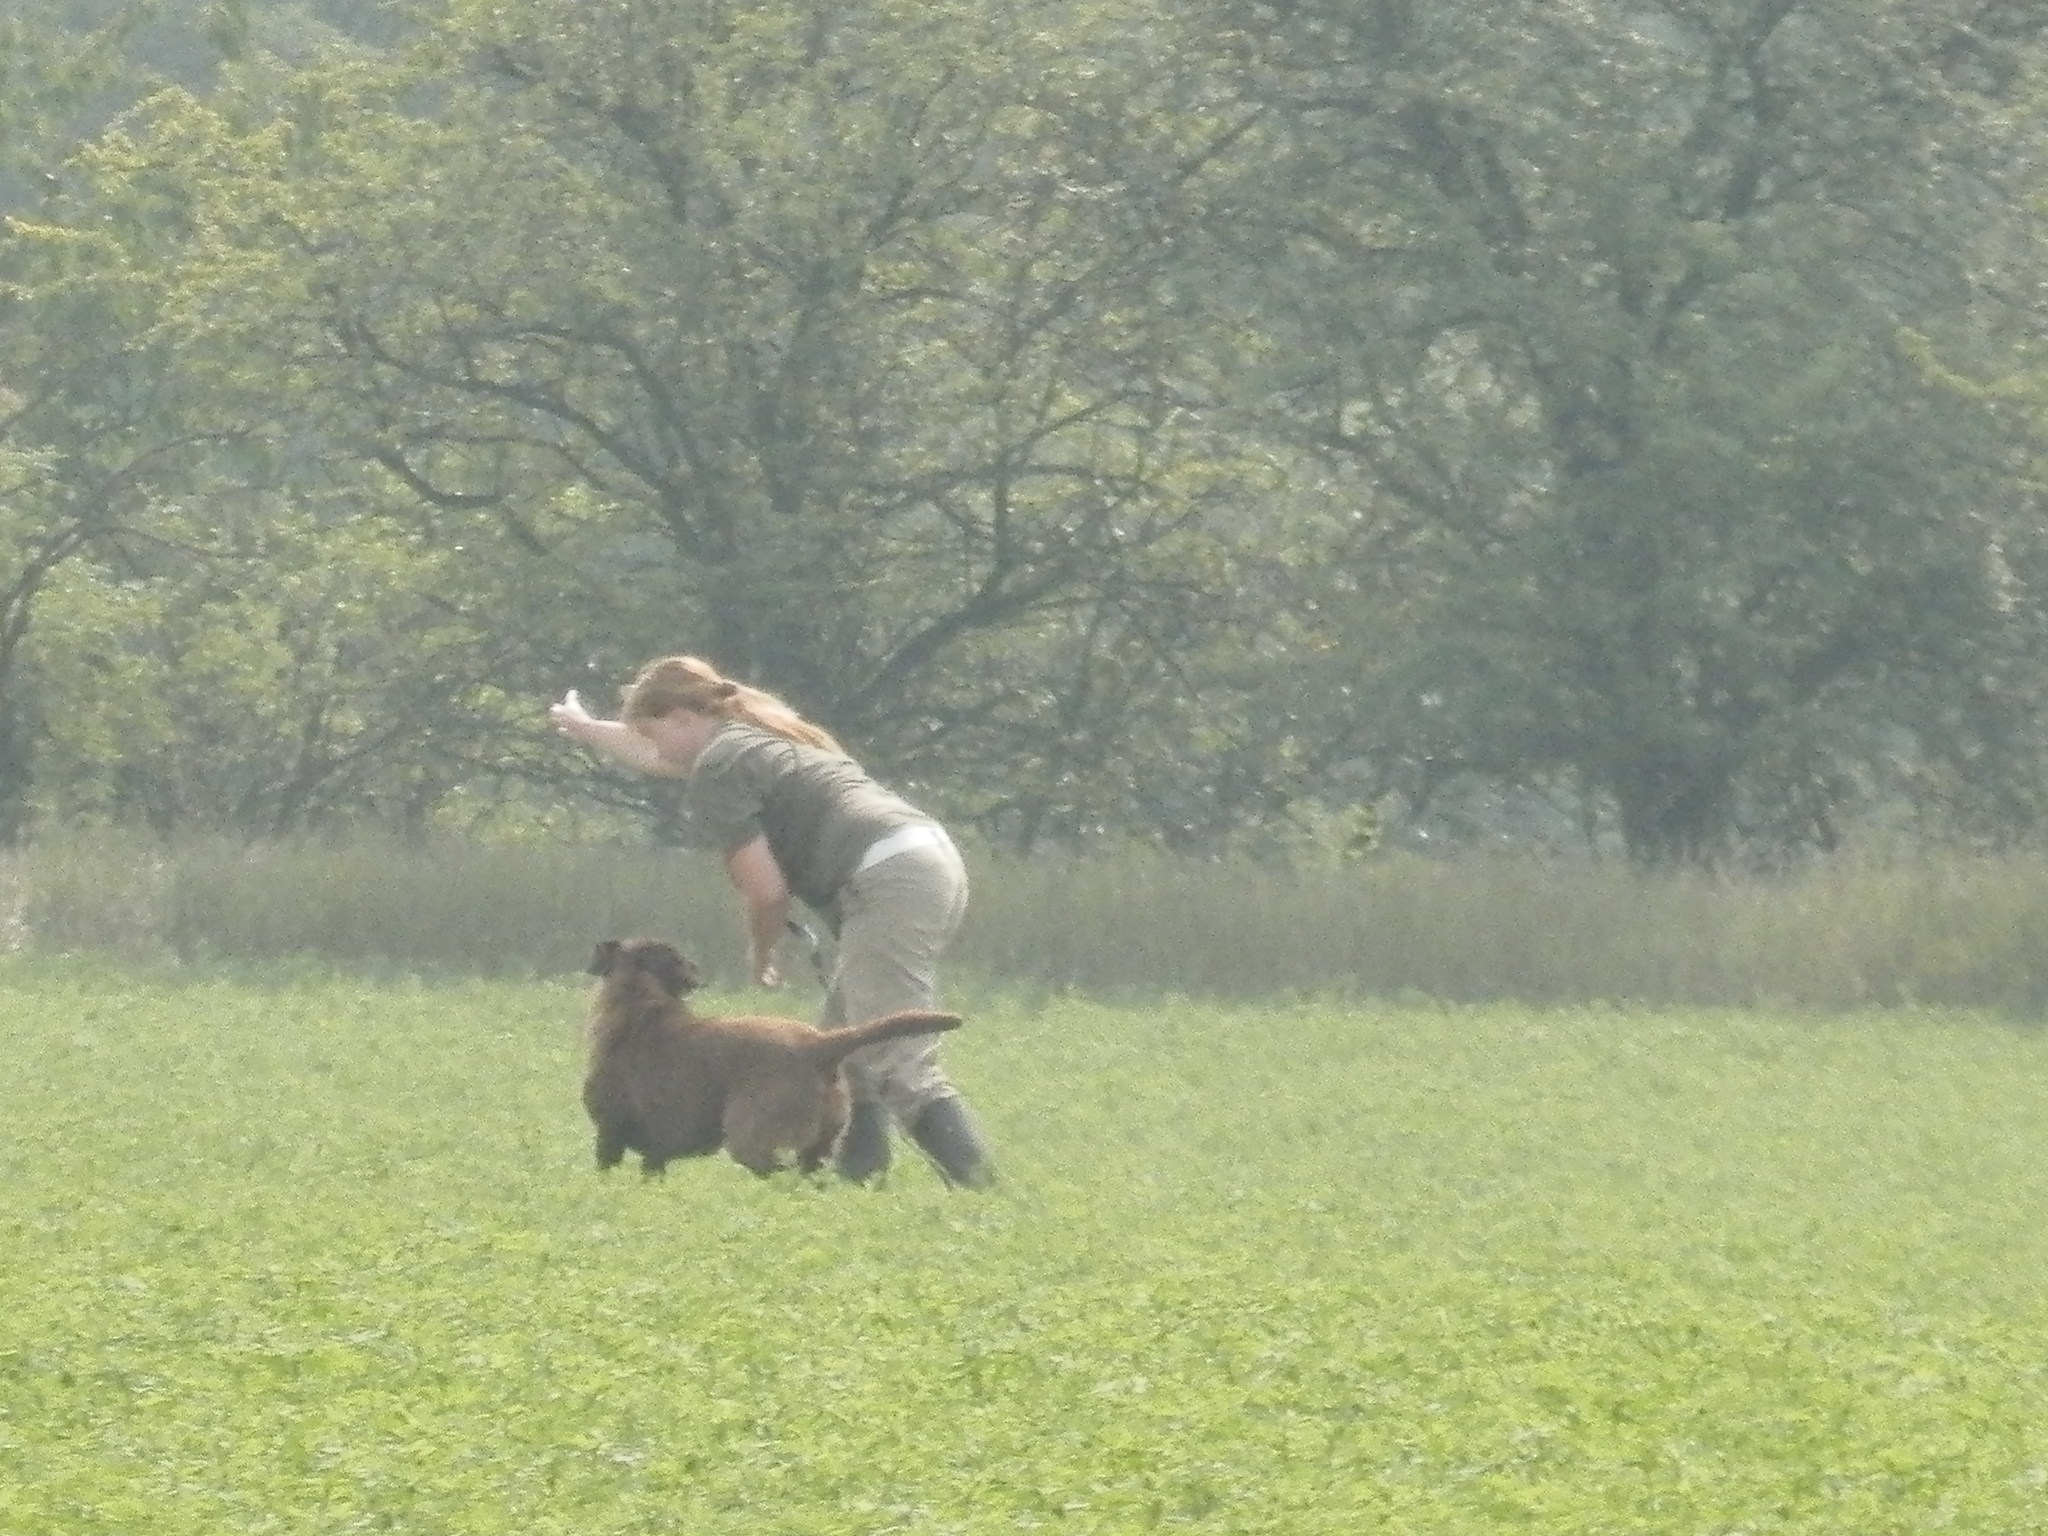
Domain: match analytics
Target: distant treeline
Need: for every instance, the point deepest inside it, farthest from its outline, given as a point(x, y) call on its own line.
point(1255, 427)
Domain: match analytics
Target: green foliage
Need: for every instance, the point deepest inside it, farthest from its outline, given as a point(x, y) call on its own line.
point(293, 1251)
point(343, 687)
point(1603, 301)
point(1175, 424)
point(832, 343)
point(78, 417)
point(52, 73)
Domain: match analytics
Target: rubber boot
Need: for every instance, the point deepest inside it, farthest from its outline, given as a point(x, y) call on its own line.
point(864, 1149)
point(950, 1138)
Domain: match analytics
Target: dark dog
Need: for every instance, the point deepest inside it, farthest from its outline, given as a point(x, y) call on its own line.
point(667, 1084)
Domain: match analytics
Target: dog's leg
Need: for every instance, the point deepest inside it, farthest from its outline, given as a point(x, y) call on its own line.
point(615, 1138)
point(760, 1123)
point(755, 1158)
point(813, 1157)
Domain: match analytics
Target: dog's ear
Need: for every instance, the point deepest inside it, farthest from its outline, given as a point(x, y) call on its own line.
point(667, 965)
point(688, 977)
point(605, 959)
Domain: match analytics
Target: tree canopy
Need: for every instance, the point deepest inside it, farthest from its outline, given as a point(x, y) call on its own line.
point(1205, 424)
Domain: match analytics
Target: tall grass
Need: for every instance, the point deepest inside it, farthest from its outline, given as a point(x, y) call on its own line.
point(1921, 930)
point(485, 909)
point(1932, 929)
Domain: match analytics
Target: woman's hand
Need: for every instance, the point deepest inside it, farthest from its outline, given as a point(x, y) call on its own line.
point(765, 895)
point(570, 716)
point(762, 963)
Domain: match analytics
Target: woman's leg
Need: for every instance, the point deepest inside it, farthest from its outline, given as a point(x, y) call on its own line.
point(896, 920)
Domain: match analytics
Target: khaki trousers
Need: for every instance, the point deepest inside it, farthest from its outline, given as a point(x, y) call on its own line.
point(895, 921)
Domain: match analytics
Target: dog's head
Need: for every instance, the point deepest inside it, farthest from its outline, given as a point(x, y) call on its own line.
point(661, 963)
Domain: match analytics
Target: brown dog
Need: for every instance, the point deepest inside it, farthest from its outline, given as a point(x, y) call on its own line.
point(667, 1084)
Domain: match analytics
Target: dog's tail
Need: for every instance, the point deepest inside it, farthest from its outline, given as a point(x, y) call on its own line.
point(835, 1045)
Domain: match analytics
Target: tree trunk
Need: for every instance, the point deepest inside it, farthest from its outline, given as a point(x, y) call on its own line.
point(1674, 810)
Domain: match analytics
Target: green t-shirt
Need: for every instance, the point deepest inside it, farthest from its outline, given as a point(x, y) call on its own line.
point(819, 810)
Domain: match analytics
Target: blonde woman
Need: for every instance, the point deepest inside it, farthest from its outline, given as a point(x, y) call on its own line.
point(793, 815)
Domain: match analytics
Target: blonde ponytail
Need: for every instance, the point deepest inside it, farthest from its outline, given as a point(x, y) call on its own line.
point(687, 682)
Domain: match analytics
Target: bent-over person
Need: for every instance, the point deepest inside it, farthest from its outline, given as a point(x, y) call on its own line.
point(793, 815)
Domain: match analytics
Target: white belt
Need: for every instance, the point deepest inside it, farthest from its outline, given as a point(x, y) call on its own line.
point(919, 834)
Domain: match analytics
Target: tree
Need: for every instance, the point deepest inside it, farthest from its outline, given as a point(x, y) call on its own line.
point(835, 342)
point(1607, 302)
point(82, 433)
point(298, 672)
point(196, 627)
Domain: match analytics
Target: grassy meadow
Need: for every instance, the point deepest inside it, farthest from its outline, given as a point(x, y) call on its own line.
point(291, 1249)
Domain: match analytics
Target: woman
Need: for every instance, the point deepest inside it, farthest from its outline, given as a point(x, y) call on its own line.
point(792, 814)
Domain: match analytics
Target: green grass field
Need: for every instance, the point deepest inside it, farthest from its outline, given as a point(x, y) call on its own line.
point(300, 1253)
